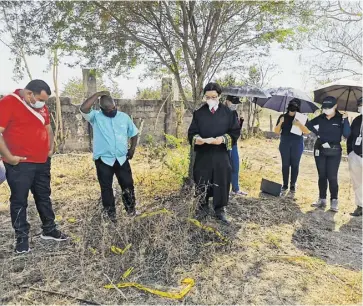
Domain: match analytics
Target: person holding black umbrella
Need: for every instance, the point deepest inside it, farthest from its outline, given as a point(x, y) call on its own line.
point(354, 148)
point(291, 145)
point(329, 127)
point(232, 102)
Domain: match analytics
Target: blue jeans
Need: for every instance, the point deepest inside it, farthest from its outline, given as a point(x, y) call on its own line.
point(235, 168)
point(291, 149)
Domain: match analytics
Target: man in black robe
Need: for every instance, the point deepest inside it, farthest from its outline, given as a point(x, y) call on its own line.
point(212, 133)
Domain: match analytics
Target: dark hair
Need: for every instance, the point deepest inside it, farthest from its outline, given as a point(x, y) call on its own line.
point(37, 86)
point(233, 99)
point(359, 101)
point(106, 101)
point(211, 87)
point(296, 102)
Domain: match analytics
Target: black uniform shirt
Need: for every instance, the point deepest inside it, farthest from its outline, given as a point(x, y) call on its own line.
point(330, 131)
point(355, 133)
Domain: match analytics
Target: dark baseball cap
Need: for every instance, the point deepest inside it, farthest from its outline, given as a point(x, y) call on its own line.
point(233, 99)
point(329, 102)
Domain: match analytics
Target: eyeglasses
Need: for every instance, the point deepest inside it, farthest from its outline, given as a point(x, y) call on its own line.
point(211, 98)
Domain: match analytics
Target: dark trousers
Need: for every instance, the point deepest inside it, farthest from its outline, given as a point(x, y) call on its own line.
point(291, 150)
point(328, 167)
point(105, 174)
point(235, 168)
point(36, 178)
point(212, 176)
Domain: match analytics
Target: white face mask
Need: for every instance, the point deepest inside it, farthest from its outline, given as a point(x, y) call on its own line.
point(212, 103)
point(328, 111)
point(360, 109)
point(233, 107)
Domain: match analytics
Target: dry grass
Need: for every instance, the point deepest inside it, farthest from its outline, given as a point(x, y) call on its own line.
point(282, 252)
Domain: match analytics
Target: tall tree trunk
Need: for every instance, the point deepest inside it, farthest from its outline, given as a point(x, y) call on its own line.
point(59, 133)
point(26, 63)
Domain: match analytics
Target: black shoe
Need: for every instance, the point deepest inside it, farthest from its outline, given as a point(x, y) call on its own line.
point(54, 235)
point(292, 189)
point(132, 212)
point(22, 245)
point(221, 216)
point(109, 215)
point(284, 188)
point(202, 212)
point(357, 212)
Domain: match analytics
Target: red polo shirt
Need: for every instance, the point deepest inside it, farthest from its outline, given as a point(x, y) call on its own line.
point(25, 133)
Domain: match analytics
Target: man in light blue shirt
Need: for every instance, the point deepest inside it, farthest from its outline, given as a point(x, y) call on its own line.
point(112, 130)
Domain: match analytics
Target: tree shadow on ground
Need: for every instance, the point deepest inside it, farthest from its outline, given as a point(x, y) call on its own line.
point(318, 236)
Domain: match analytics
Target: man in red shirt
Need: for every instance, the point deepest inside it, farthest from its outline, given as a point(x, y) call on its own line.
point(26, 147)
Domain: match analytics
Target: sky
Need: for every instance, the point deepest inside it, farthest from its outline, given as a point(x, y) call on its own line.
point(291, 72)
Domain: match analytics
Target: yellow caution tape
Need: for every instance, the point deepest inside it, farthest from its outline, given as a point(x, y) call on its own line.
point(118, 251)
point(75, 238)
point(58, 218)
point(71, 220)
point(209, 229)
point(93, 251)
point(153, 213)
point(127, 273)
point(188, 282)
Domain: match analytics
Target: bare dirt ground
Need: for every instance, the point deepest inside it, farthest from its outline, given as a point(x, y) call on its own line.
point(281, 251)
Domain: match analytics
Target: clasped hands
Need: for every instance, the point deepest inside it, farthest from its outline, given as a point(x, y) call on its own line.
point(213, 141)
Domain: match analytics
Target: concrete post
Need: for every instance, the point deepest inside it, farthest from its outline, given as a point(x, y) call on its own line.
point(89, 82)
point(89, 88)
point(166, 97)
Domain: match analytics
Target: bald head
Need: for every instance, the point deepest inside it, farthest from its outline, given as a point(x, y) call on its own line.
point(107, 103)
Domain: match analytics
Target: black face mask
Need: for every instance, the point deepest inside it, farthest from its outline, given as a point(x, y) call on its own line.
point(110, 114)
point(293, 108)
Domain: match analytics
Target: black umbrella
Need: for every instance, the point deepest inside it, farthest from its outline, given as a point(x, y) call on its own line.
point(282, 96)
point(245, 91)
point(347, 92)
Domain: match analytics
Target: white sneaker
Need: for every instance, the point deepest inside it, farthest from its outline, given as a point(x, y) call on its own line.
point(238, 193)
point(334, 205)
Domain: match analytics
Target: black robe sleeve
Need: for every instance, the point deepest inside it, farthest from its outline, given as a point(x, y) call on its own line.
point(234, 132)
point(193, 131)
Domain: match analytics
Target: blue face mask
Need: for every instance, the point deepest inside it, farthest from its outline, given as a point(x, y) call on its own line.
point(110, 114)
point(38, 104)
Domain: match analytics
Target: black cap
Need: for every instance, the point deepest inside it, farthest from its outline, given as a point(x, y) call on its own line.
point(329, 102)
point(296, 102)
point(233, 99)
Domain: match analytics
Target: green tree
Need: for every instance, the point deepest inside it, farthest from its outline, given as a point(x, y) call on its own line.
point(188, 40)
point(148, 93)
point(12, 36)
point(73, 89)
point(229, 80)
